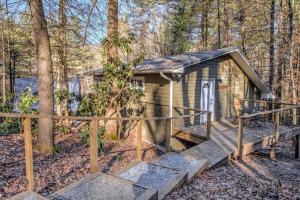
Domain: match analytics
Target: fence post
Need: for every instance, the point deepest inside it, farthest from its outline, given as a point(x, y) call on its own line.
point(240, 139)
point(208, 124)
point(28, 153)
point(139, 141)
point(93, 146)
point(275, 136)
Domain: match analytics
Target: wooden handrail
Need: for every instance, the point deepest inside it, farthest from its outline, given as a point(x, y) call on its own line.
point(267, 112)
point(266, 101)
point(174, 107)
point(85, 118)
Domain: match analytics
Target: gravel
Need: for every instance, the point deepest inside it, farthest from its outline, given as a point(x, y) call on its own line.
point(257, 177)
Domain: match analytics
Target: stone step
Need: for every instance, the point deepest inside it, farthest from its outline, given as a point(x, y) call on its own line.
point(193, 166)
point(102, 186)
point(159, 178)
point(209, 150)
point(28, 195)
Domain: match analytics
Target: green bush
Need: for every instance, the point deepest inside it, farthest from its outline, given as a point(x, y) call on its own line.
point(63, 129)
point(26, 102)
point(85, 137)
point(8, 125)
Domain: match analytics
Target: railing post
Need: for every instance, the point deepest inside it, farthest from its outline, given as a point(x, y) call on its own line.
point(28, 153)
point(139, 141)
point(208, 125)
point(297, 148)
point(295, 116)
point(275, 136)
point(240, 139)
point(93, 146)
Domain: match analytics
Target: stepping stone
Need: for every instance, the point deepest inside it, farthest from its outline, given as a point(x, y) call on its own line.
point(193, 166)
point(159, 178)
point(28, 195)
point(106, 187)
point(209, 150)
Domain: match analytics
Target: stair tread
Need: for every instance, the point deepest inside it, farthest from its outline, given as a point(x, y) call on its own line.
point(102, 186)
point(209, 150)
point(159, 178)
point(193, 166)
point(28, 195)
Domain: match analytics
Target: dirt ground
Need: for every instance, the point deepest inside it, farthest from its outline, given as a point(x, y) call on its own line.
point(257, 177)
point(68, 164)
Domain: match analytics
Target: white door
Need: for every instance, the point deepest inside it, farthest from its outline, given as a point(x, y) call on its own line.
point(208, 95)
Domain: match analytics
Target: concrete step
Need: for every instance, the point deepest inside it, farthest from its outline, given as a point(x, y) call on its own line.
point(28, 195)
point(193, 166)
point(159, 178)
point(209, 150)
point(102, 186)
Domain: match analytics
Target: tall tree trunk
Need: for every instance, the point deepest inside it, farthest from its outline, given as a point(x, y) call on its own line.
point(272, 44)
point(112, 30)
point(291, 52)
point(226, 25)
point(219, 25)
point(242, 25)
point(3, 41)
point(45, 73)
point(62, 75)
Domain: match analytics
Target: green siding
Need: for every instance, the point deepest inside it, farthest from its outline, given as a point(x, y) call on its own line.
point(230, 82)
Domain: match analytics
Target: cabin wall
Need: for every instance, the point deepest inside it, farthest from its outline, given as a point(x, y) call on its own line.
point(156, 100)
point(231, 85)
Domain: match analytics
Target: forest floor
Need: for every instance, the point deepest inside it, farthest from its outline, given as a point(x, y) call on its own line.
point(257, 177)
point(69, 163)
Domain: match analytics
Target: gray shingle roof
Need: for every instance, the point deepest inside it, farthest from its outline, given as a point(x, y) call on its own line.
point(171, 63)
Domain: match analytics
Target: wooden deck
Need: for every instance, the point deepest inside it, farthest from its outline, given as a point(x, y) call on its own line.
point(223, 142)
point(225, 134)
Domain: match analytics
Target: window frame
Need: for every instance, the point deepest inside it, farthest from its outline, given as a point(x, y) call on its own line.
point(138, 78)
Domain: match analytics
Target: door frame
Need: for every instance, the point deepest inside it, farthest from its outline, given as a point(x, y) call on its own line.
point(213, 81)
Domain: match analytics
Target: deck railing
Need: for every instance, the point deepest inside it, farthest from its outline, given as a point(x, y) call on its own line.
point(260, 125)
point(93, 128)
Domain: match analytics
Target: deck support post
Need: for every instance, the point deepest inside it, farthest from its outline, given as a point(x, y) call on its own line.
point(297, 147)
point(208, 124)
point(275, 137)
point(139, 141)
point(28, 153)
point(239, 153)
point(169, 136)
point(93, 146)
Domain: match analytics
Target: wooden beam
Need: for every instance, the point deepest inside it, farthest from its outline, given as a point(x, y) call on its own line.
point(240, 139)
point(139, 141)
point(93, 146)
point(28, 154)
point(197, 139)
point(208, 126)
point(275, 137)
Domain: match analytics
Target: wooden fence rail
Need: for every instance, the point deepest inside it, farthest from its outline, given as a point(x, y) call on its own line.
point(93, 136)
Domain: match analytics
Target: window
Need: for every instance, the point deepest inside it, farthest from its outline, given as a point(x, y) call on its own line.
point(138, 83)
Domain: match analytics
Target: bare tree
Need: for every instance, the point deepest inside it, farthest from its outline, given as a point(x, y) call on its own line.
point(272, 42)
point(62, 72)
point(45, 76)
point(112, 29)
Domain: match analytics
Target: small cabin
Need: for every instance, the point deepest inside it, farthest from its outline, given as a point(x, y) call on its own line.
point(213, 81)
